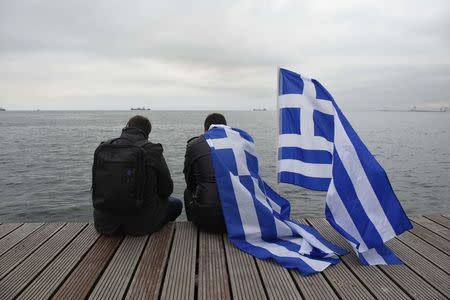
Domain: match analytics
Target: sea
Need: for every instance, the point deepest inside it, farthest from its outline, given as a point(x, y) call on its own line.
point(46, 157)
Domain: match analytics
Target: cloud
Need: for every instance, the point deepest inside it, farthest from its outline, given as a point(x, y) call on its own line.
point(220, 54)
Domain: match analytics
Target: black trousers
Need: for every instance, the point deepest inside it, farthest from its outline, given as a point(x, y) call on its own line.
point(140, 224)
point(205, 217)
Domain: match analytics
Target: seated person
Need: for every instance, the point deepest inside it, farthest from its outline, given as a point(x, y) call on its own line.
point(132, 184)
point(201, 197)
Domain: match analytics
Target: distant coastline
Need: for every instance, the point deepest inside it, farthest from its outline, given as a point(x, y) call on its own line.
point(415, 109)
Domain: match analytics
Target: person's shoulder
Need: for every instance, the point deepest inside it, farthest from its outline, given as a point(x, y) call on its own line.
point(154, 147)
point(195, 142)
point(197, 147)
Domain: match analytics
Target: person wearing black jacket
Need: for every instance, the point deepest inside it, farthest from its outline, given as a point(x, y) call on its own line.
point(201, 197)
point(161, 208)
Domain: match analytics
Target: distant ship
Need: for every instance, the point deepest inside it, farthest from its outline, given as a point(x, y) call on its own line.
point(2, 109)
point(140, 108)
point(442, 109)
point(259, 109)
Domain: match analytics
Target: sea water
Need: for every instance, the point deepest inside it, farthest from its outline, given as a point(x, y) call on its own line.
point(46, 157)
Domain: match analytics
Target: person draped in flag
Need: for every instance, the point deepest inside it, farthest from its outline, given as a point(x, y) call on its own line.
point(256, 217)
point(201, 197)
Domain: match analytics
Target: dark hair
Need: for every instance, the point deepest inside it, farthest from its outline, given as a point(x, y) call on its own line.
point(142, 123)
point(214, 118)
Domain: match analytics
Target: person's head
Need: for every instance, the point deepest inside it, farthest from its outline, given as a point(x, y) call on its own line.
point(214, 118)
point(142, 123)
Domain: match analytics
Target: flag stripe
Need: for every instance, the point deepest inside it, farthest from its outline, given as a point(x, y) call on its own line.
point(344, 224)
point(307, 143)
point(307, 169)
point(313, 183)
point(301, 101)
point(362, 187)
point(304, 155)
point(330, 218)
point(268, 225)
point(378, 256)
point(292, 85)
point(315, 239)
point(254, 234)
point(378, 178)
point(354, 205)
point(283, 207)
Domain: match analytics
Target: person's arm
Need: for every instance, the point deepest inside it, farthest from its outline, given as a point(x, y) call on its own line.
point(165, 183)
point(158, 165)
point(187, 170)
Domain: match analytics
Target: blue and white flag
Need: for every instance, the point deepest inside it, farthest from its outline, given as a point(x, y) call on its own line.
point(256, 217)
point(318, 149)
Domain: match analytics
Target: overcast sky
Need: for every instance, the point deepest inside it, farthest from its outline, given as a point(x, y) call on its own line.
point(221, 54)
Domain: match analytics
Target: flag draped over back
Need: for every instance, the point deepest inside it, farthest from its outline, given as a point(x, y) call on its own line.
point(257, 218)
point(318, 149)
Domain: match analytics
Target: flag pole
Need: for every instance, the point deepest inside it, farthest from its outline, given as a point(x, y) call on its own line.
point(277, 125)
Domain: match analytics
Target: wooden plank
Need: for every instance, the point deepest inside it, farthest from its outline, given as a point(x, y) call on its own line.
point(17, 235)
point(212, 268)
point(428, 271)
point(179, 282)
point(22, 275)
point(382, 287)
point(27, 246)
point(440, 220)
point(82, 279)
point(33, 269)
point(344, 276)
point(411, 283)
point(149, 275)
point(114, 281)
point(373, 279)
point(277, 281)
point(244, 278)
point(314, 286)
point(430, 225)
point(439, 258)
point(7, 228)
point(281, 283)
point(54, 274)
point(432, 238)
point(345, 283)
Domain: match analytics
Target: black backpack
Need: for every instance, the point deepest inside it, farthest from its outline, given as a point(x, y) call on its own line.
point(119, 177)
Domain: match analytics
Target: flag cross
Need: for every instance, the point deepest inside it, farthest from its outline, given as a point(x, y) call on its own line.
point(235, 142)
point(308, 104)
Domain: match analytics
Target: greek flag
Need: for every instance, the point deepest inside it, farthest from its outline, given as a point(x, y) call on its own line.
point(256, 217)
point(318, 149)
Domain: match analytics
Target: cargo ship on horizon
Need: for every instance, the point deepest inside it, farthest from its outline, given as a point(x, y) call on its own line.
point(140, 108)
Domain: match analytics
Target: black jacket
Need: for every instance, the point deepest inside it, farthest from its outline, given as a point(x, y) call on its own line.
point(160, 187)
point(201, 196)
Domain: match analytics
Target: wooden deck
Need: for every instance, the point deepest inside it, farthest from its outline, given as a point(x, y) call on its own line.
point(71, 261)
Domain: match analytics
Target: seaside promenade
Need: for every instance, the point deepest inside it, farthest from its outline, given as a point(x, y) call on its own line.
point(72, 261)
